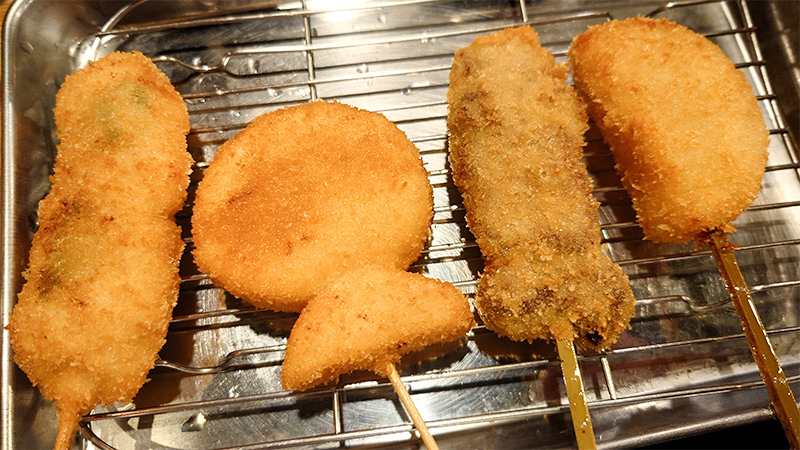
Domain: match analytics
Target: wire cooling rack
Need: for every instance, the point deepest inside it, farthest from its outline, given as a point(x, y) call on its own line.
point(684, 366)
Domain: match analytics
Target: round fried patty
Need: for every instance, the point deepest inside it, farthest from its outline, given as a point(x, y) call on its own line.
point(305, 193)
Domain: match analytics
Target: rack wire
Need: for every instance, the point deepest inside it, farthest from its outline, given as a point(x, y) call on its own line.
point(217, 385)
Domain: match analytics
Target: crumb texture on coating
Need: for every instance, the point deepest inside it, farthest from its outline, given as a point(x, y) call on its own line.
point(516, 142)
point(682, 122)
point(304, 193)
point(103, 270)
point(368, 318)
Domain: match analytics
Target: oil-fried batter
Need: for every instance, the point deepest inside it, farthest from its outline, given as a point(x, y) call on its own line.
point(516, 140)
point(302, 195)
point(686, 131)
point(103, 273)
point(367, 319)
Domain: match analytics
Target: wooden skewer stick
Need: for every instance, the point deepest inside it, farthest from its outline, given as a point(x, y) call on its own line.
point(405, 398)
point(581, 420)
point(783, 402)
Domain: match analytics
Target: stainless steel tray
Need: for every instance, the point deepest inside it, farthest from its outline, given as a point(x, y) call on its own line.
point(684, 367)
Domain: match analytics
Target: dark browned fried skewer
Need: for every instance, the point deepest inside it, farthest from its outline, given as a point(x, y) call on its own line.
point(516, 142)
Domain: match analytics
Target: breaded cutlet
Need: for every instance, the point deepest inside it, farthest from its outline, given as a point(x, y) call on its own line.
point(516, 142)
point(686, 131)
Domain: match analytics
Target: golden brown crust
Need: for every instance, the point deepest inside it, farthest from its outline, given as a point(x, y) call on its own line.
point(103, 273)
point(685, 129)
point(516, 140)
point(303, 194)
point(368, 318)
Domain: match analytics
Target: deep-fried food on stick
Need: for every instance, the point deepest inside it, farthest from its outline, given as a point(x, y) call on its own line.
point(691, 148)
point(103, 273)
point(368, 319)
point(305, 193)
point(686, 131)
point(516, 139)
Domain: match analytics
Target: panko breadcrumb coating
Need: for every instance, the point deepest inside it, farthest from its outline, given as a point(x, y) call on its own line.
point(516, 142)
point(369, 318)
point(686, 131)
point(103, 273)
point(305, 193)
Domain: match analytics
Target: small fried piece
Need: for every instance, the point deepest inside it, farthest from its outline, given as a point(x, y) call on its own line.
point(686, 131)
point(367, 319)
point(305, 193)
point(103, 272)
point(516, 142)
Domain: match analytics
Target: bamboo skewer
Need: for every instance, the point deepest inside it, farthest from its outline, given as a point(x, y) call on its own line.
point(405, 399)
point(581, 420)
point(783, 401)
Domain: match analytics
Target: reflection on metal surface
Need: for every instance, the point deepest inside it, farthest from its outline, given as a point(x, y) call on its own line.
point(683, 367)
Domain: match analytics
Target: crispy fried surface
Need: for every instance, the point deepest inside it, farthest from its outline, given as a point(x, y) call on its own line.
point(516, 140)
point(368, 318)
point(103, 273)
point(686, 131)
point(303, 194)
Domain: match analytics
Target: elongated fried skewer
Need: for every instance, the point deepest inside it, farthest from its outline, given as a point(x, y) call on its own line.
point(103, 273)
point(690, 144)
point(516, 143)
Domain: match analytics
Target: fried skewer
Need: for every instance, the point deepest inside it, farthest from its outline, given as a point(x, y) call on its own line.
point(288, 207)
point(691, 147)
point(103, 273)
point(516, 143)
point(367, 320)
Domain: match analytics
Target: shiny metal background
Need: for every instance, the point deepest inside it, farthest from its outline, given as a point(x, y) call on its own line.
point(683, 367)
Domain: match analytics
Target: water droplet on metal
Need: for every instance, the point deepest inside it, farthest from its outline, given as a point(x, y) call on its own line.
point(26, 47)
point(254, 66)
point(382, 18)
point(194, 423)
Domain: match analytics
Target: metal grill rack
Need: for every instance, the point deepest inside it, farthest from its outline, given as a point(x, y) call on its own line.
point(683, 367)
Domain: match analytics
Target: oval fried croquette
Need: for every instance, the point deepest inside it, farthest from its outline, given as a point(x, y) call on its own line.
point(686, 131)
point(304, 193)
point(368, 318)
